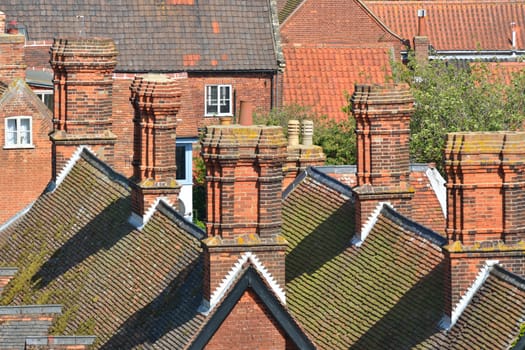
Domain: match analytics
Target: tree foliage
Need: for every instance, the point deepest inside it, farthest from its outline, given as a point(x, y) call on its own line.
point(453, 97)
point(337, 138)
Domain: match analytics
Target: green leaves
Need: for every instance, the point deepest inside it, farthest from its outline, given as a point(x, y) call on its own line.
point(459, 96)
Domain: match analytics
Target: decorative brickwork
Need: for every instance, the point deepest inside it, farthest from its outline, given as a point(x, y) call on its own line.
point(244, 174)
point(382, 114)
point(156, 99)
point(485, 174)
point(83, 86)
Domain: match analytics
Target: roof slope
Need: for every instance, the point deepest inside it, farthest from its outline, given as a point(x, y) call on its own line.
point(457, 25)
point(163, 35)
point(363, 296)
point(501, 298)
point(319, 76)
point(75, 247)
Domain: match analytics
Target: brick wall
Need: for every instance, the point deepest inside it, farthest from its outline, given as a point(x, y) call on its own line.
point(12, 57)
point(329, 22)
point(249, 326)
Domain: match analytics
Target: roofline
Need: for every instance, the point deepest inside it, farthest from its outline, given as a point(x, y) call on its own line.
point(382, 24)
point(176, 217)
point(203, 71)
point(476, 54)
point(251, 279)
point(413, 226)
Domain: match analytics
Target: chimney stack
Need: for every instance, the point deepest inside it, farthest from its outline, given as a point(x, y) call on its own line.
point(244, 174)
point(83, 92)
point(156, 100)
point(485, 196)
point(514, 28)
point(382, 114)
point(12, 55)
point(421, 41)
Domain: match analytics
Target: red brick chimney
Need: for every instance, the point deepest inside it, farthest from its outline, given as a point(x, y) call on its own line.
point(83, 91)
point(12, 56)
point(244, 174)
point(156, 100)
point(382, 114)
point(421, 41)
point(486, 192)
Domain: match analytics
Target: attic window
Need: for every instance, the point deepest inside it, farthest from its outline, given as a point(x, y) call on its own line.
point(218, 100)
point(18, 132)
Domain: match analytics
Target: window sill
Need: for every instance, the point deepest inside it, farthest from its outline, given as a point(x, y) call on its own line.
point(19, 147)
point(218, 115)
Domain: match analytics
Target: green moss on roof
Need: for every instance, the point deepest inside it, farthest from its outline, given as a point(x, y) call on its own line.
point(388, 291)
point(75, 248)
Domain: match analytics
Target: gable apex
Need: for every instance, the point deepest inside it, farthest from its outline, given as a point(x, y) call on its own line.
point(19, 88)
point(251, 280)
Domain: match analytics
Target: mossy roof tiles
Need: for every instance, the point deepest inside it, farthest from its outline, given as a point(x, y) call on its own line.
point(159, 35)
point(346, 296)
point(75, 247)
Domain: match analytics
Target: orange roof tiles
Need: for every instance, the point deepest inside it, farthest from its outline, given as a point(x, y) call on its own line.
point(457, 25)
point(318, 76)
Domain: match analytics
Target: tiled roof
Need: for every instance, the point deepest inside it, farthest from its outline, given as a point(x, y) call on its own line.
point(318, 76)
point(388, 291)
point(492, 319)
point(160, 36)
point(457, 25)
point(426, 208)
point(75, 247)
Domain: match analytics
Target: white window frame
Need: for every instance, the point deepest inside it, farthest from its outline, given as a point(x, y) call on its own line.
point(19, 134)
point(42, 93)
point(207, 92)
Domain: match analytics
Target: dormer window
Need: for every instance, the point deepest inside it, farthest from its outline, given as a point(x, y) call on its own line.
point(18, 132)
point(218, 100)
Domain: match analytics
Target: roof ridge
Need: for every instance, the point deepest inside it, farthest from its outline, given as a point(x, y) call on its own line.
point(86, 153)
point(420, 230)
point(508, 276)
point(179, 219)
point(330, 182)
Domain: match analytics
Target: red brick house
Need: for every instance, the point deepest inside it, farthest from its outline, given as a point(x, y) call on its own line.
point(25, 125)
point(108, 262)
point(330, 45)
point(223, 53)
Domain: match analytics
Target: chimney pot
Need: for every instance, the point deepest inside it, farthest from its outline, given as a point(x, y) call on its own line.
point(293, 132)
point(246, 116)
point(2, 22)
point(308, 132)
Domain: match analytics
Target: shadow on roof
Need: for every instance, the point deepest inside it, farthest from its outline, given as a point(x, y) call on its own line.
point(173, 309)
point(101, 233)
point(413, 319)
point(328, 240)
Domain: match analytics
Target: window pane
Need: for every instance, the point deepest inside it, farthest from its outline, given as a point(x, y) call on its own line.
point(180, 153)
point(48, 101)
point(25, 131)
point(225, 100)
point(211, 100)
point(11, 132)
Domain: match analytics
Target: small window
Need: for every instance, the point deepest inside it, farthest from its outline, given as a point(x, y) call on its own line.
point(47, 97)
point(183, 154)
point(218, 100)
point(18, 132)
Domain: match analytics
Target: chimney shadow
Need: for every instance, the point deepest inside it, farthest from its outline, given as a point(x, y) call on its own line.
point(326, 241)
point(101, 233)
point(413, 319)
point(174, 307)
